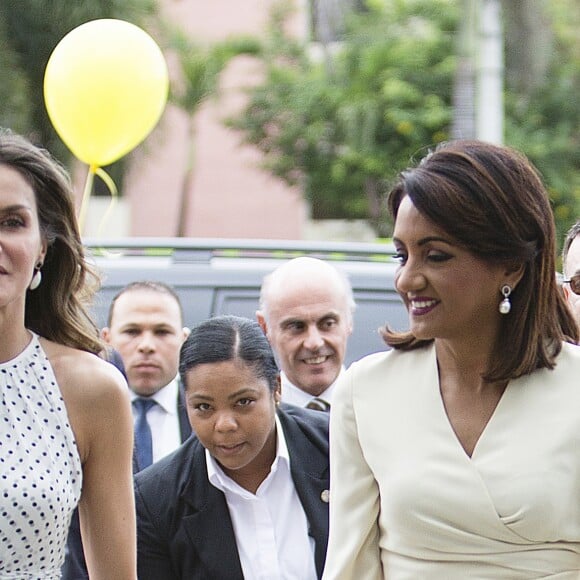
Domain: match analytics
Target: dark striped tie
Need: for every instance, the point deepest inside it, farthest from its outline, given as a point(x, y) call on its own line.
point(318, 404)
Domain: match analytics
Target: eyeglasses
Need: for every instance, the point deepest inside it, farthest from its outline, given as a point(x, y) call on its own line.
point(574, 283)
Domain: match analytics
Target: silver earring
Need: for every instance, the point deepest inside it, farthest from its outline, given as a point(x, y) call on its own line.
point(36, 279)
point(505, 305)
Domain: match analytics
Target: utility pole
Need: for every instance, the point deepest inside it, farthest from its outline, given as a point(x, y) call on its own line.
point(489, 117)
point(463, 126)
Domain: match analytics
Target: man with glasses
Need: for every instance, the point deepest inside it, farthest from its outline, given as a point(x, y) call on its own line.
point(571, 268)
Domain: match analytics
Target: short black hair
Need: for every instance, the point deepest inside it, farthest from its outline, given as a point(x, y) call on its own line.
point(225, 338)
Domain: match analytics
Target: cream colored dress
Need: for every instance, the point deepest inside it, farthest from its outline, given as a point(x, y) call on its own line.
point(40, 469)
point(407, 502)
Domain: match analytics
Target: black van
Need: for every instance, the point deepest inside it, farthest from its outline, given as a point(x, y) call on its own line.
point(223, 276)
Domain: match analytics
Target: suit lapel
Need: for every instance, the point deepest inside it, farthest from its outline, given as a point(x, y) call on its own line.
point(208, 525)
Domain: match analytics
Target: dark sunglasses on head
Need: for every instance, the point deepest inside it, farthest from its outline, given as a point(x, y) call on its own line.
point(574, 283)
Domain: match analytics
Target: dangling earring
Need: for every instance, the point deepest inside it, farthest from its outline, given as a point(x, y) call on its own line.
point(37, 278)
point(505, 305)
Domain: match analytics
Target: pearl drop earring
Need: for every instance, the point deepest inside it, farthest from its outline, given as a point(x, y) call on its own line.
point(36, 279)
point(505, 305)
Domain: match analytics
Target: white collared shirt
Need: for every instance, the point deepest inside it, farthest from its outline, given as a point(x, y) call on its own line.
point(163, 419)
point(295, 396)
point(271, 528)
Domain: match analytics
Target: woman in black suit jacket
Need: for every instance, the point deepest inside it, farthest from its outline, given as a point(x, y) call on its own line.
point(184, 521)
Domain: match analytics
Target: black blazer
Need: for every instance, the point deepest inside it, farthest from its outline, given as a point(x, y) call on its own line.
point(75, 566)
point(184, 529)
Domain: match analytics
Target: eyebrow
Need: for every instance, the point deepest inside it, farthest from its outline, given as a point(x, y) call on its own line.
point(287, 321)
point(329, 314)
point(140, 326)
point(427, 240)
point(232, 396)
point(130, 326)
point(15, 207)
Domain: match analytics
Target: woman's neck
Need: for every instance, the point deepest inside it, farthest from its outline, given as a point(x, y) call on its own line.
point(462, 364)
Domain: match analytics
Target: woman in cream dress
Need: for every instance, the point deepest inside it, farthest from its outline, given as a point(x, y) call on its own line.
point(456, 454)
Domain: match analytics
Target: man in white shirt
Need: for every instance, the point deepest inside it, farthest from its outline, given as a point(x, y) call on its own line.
point(145, 326)
point(306, 311)
point(571, 269)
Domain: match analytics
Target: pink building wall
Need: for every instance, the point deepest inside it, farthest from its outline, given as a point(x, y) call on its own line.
point(230, 195)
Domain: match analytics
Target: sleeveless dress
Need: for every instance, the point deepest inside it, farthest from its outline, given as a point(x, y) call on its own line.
point(40, 468)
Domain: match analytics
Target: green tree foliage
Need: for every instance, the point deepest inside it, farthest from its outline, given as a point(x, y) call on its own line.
point(29, 32)
point(15, 106)
point(545, 123)
point(343, 125)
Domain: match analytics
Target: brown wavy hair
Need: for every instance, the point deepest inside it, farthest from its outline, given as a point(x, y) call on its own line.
point(492, 201)
point(58, 308)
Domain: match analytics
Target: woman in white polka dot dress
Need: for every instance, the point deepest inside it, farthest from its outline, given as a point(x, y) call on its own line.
point(65, 419)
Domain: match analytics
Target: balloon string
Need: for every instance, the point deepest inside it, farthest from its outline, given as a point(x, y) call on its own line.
point(114, 198)
point(86, 197)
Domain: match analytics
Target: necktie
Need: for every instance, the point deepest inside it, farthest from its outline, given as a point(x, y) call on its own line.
point(318, 404)
point(143, 440)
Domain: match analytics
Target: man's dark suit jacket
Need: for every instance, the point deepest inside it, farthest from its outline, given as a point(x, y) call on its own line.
point(75, 566)
point(184, 529)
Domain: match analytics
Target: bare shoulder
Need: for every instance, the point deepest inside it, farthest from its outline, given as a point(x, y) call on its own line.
point(95, 394)
point(82, 376)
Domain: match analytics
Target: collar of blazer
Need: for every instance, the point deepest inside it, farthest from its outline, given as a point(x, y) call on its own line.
point(306, 435)
point(207, 522)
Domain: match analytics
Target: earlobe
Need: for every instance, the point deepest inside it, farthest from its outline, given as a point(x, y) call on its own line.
point(514, 274)
point(565, 291)
point(262, 322)
point(43, 250)
point(278, 391)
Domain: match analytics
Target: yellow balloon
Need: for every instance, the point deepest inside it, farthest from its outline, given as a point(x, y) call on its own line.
point(105, 88)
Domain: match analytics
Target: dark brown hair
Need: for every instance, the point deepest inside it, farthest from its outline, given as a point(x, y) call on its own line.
point(57, 309)
point(492, 201)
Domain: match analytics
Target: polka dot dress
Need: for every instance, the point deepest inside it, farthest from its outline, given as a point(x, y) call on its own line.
point(40, 469)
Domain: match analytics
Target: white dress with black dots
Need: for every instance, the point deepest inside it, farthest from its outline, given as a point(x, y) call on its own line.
point(40, 468)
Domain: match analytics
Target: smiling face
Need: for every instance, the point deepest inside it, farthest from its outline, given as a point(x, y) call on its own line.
point(308, 320)
point(146, 329)
point(449, 292)
point(21, 243)
point(232, 411)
